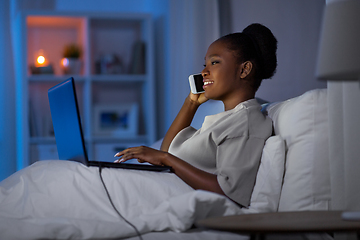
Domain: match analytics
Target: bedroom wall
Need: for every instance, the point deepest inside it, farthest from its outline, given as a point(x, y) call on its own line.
point(296, 25)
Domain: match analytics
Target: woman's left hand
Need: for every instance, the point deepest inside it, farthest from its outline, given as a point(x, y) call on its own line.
point(142, 154)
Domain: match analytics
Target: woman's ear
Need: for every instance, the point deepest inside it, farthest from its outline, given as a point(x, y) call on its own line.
point(245, 69)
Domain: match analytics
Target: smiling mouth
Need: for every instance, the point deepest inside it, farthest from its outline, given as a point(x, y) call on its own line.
point(207, 82)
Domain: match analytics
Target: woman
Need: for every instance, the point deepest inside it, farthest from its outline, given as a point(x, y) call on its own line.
point(223, 156)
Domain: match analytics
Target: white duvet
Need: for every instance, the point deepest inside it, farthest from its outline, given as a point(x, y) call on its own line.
point(66, 200)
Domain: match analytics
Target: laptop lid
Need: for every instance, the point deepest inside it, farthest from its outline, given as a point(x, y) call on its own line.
point(66, 122)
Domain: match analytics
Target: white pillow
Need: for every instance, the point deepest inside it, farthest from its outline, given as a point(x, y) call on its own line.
point(267, 189)
point(303, 124)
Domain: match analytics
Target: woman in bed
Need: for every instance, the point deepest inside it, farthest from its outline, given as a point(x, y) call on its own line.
point(66, 200)
point(223, 156)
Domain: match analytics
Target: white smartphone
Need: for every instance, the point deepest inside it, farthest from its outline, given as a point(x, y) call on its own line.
point(196, 83)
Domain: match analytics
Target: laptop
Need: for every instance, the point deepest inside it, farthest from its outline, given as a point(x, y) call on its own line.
point(68, 130)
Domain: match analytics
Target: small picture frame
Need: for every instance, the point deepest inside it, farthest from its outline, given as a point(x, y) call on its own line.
point(116, 120)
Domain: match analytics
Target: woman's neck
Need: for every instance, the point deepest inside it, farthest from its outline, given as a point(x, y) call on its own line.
point(232, 103)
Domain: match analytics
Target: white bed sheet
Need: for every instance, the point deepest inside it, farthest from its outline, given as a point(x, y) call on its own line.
point(66, 200)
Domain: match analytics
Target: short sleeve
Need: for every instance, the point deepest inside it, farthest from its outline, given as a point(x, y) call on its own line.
point(176, 146)
point(238, 161)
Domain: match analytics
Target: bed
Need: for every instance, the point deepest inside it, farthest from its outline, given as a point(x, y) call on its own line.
point(293, 176)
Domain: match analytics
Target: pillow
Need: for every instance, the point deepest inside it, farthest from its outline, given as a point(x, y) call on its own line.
point(303, 124)
point(266, 194)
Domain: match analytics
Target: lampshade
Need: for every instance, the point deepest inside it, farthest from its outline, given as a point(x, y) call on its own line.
point(339, 48)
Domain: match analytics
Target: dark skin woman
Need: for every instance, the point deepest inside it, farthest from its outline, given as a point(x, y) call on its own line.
point(234, 68)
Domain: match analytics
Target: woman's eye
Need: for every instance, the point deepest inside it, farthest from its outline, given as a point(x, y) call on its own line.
point(212, 63)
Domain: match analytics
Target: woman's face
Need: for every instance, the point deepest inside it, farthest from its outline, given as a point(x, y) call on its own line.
point(221, 73)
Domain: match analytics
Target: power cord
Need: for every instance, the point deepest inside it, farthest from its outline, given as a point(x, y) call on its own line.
point(112, 204)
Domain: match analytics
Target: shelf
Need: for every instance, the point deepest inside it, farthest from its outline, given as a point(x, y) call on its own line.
point(127, 81)
point(54, 78)
point(94, 78)
point(42, 140)
point(118, 78)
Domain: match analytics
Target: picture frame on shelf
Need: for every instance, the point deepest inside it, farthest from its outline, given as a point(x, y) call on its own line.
point(119, 121)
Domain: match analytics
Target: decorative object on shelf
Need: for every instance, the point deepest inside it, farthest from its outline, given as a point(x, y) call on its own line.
point(109, 64)
point(41, 64)
point(137, 65)
point(120, 121)
point(33, 130)
point(71, 62)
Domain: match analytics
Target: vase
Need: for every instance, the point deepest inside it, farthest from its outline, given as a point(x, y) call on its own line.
point(71, 66)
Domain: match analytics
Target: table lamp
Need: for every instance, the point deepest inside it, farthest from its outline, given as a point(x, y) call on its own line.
point(339, 48)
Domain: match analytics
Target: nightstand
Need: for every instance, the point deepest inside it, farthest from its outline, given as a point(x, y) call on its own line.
point(258, 225)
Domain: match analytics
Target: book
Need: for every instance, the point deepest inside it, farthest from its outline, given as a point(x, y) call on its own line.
point(137, 65)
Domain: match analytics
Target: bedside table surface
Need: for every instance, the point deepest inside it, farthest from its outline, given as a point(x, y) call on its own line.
point(282, 222)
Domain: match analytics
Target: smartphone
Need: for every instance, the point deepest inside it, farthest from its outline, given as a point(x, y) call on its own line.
point(196, 83)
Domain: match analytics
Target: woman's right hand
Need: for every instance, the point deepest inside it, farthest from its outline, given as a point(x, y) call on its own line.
point(198, 98)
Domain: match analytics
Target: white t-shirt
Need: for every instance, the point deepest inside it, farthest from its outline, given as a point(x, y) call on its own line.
point(228, 144)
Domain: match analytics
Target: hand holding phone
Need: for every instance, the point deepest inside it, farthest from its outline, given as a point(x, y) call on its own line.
point(196, 83)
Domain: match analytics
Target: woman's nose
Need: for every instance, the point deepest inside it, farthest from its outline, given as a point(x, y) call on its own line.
point(204, 72)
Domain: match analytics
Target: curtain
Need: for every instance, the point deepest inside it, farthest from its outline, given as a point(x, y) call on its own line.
point(194, 25)
point(7, 95)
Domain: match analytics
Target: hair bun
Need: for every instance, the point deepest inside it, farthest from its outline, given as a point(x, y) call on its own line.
point(267, 45)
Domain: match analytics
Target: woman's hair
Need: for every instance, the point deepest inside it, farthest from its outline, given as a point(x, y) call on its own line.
point(257, 44)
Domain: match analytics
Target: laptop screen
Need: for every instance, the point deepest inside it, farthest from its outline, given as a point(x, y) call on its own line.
point(66, 121)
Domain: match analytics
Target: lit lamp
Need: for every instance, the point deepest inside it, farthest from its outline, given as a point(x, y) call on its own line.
point(40, 59)
point(41, 64)
point(339, 49)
